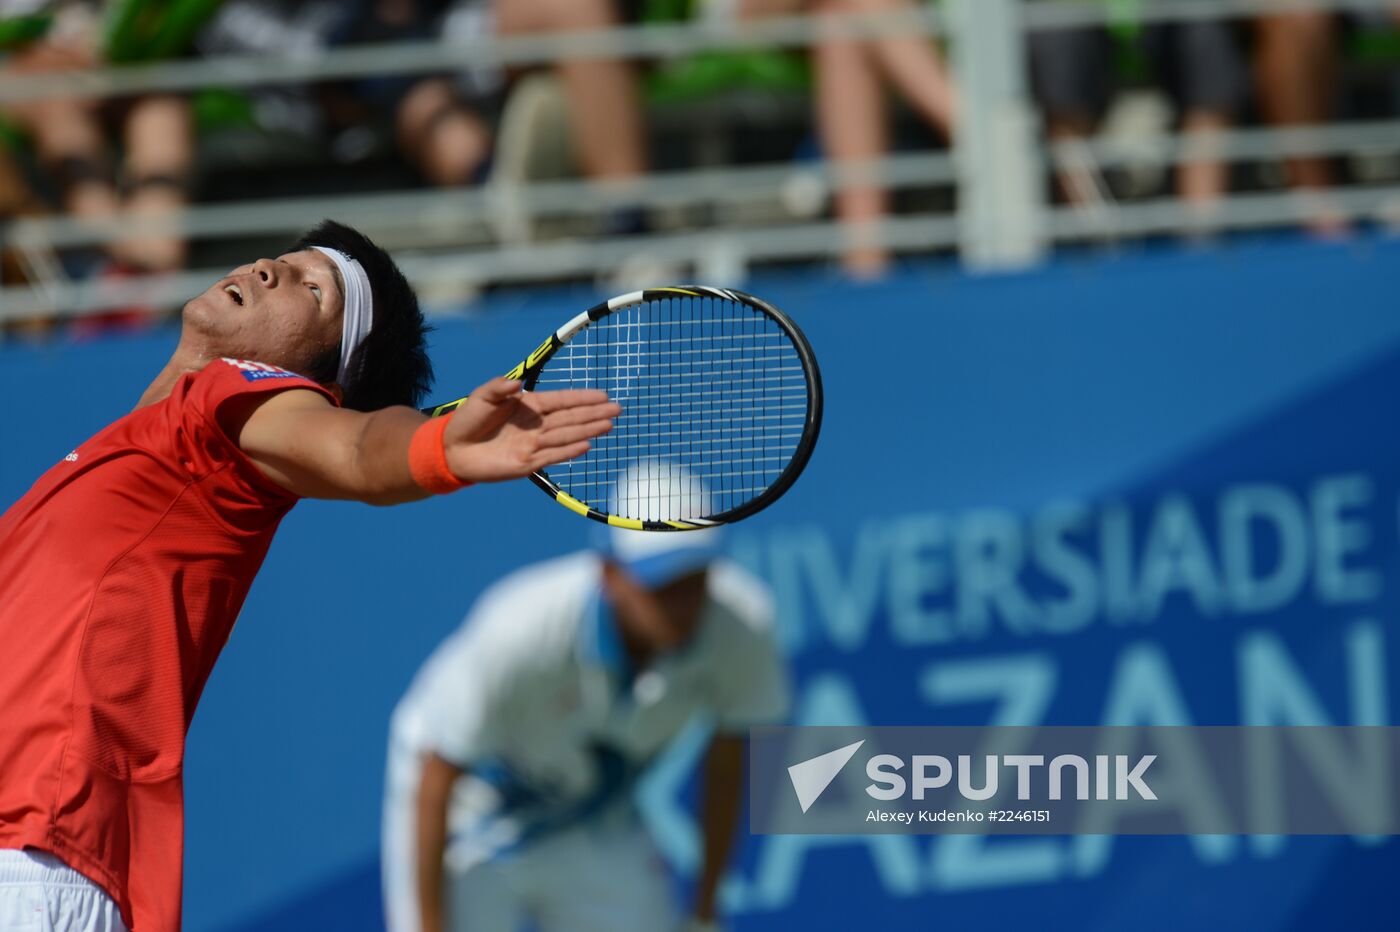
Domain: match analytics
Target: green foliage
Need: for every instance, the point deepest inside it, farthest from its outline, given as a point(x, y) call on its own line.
point(18, 31)
point(706, 73)
point(217, 108)
point(151, 30)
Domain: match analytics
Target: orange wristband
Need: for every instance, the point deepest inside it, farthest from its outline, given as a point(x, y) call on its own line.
point(427, 459)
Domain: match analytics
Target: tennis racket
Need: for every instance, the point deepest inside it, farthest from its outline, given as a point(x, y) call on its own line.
point(721, 406)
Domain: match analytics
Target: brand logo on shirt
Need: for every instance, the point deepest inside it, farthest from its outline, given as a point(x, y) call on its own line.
point(71, 457)
point(256, 371)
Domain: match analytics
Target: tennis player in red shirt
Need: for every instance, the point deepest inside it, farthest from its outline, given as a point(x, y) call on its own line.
point(123, 569)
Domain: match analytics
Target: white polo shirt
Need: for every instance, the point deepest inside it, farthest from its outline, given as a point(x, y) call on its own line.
point(533, 697)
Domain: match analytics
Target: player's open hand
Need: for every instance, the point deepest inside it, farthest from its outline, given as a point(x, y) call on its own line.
point(501, 432)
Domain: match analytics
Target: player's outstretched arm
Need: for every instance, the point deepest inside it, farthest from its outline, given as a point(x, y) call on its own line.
point(316, 450)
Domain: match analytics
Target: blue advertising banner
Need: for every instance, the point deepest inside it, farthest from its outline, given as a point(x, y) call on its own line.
point(1155, 490)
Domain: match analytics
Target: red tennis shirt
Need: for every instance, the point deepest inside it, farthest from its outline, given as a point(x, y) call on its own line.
point(121, 574)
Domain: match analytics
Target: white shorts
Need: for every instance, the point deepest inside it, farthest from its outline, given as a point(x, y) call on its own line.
point(39, 893)
point(603, 875)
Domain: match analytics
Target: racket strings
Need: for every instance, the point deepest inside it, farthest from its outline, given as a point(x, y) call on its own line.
point(714, 399)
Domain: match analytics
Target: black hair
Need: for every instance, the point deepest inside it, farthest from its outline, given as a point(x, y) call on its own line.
point(391, 367)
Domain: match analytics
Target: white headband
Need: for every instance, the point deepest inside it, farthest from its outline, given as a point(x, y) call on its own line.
point(358, 316)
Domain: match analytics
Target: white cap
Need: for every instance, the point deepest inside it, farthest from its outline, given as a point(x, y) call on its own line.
point(656, 490)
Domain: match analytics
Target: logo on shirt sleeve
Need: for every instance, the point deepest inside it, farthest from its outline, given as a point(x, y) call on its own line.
point(257, 371)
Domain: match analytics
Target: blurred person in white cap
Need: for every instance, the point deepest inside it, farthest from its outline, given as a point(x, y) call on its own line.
point(513, 756)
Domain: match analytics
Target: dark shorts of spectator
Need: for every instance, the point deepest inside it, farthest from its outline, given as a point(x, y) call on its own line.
point(482, 89)
point(1199, 64)
point(479, 89)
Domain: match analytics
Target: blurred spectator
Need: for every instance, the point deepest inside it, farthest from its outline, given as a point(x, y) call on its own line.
point(437, 123)
point(514, 128)
point(17, 199)
point(1197, 62)
point(604, 105)
point(1295, 66)
point(70, 139)
point(279, 29)
point(853, 124)
point(443, 123)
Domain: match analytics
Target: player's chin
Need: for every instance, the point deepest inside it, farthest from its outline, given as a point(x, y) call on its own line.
point(206, 314)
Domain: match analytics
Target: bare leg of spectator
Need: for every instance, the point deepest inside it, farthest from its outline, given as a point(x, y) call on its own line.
point(1203, 175)
point(854, 130)
point(17, 200)
point(1295, 71)
point(445, 140)
point(607, 125)
point(159, 161)
point(67, 136)
point(913, 65)
point(851, 114)
point(69, 143)
point(1079, 183)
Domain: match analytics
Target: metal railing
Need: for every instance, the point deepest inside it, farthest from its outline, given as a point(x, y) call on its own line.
point(999, 167)
point(626, 42)
point(658, 41)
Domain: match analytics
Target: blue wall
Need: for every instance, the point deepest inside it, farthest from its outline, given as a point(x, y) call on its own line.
point(1161, 488)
